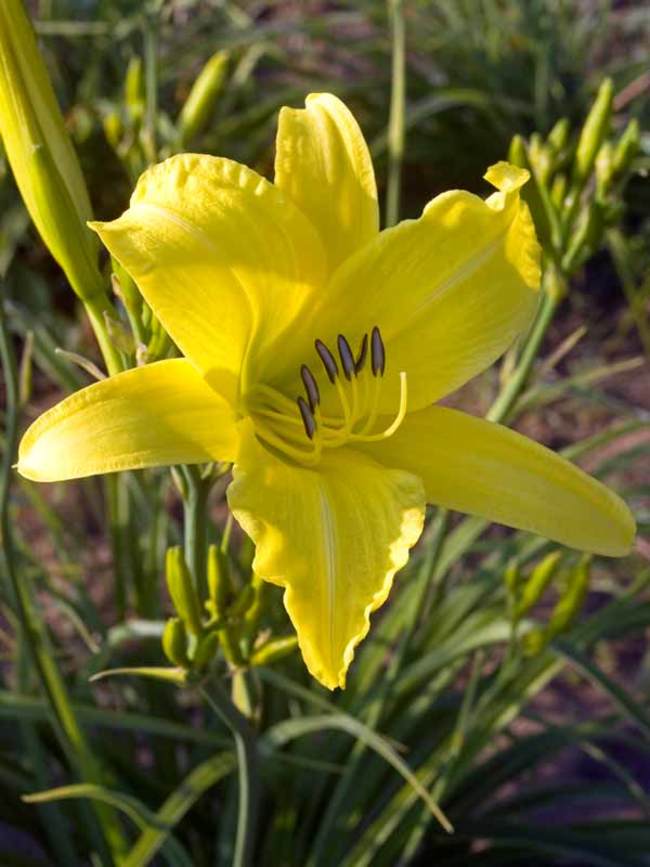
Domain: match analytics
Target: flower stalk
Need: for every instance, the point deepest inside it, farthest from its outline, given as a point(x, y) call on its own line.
point(397, 109)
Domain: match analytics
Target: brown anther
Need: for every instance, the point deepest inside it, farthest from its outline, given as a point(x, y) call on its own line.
point(329, 362)
point(377, 353)
point(307, 417)
point(361, 357)
point(345, 354)
point(311, 387)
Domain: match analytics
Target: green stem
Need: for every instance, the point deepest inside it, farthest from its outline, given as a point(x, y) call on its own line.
point(429, 589)
point(396, 117)
point(195, 527)
point(151, 85)
point(247, 765)
point(503, 405)
point(98, 309)
point(71, 736)
point(113, 489)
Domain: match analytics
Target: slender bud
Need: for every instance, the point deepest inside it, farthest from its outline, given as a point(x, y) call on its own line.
point(604, 169)
point(594, 131)
point(517, 152)
point(182, 591)
point(174, 642)
point(585, 239)
point(41, 155)
point(134, 89)
point(202, 98)
point(274, 650)
point(25, 370)
point(558, 137)
point(512, 577)
point(627, 147)
point(218, 581)
point(570, 602)
point(113, 129)
point(558, 191)
point(124, 286)
point(565, 611)
point(205, 651)
point(540, 158)
point(539, 580)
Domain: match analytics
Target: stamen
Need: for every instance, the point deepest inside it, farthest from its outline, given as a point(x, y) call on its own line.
point(329, 362)
point(302, 437)
point(397, 421)
point(311, 387)
point(361, 357)
point(307, 417)
point(345, 354)
point(300, 456)
point(377, 353)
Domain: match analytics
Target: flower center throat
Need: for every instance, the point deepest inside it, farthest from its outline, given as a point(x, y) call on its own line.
point(301, 429)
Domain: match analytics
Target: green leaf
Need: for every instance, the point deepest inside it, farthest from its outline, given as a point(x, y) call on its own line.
point(287, 730)
point(176, 806)
point(170, 675)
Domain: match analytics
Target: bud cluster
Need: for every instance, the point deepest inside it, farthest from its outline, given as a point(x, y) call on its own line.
point(577, 182)
point(525, 592)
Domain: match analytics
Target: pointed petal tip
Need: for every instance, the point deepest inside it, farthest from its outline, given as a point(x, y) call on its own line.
point(319, 96)
point(621, 541)
point(506, 177)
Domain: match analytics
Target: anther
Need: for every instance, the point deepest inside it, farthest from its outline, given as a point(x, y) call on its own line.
point(307, 417)
point(345, 354)
point(311, 387)
point(361, 357)
point(377, 353)
point(329, 362)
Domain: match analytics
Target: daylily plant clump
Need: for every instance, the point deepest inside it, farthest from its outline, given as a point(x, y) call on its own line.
point(315, 348)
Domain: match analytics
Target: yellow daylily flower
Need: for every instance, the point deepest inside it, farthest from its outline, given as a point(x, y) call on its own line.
point(315, 347)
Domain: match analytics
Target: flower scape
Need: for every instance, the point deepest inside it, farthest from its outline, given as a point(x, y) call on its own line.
point(315, 349)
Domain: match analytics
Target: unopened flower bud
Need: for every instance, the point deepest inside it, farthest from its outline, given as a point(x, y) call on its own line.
point(604, 169)
point(182, 591)
point(570, 602)
point(517, 152)
point(202, 98)
point(113, 129)
point(594, 131)
point(539, 580)
point(174, 642)
point(274, 650)
point(41, 155)
point(558, 191)
point(627, 147)
point(205, 651)
point(558, 137)
point(134, 89)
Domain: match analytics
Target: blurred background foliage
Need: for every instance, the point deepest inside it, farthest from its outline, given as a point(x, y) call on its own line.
point(509, 676)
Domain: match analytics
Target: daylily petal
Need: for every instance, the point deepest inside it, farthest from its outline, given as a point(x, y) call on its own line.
point(163, 413)
point(449, 291)
point(333, 537)
point(475, 466)
point(322, 163)
point(224, 259)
